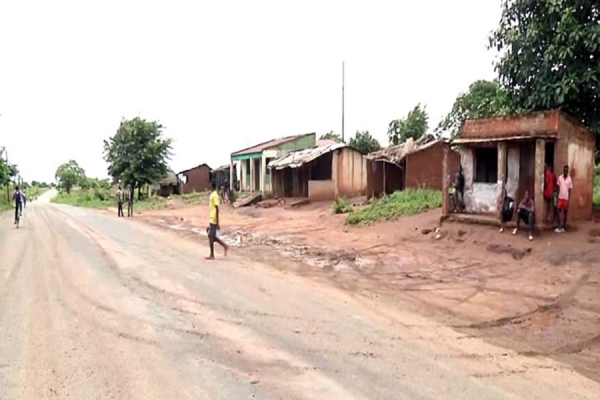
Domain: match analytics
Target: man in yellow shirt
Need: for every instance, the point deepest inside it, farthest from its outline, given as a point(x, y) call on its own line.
point(213, 226)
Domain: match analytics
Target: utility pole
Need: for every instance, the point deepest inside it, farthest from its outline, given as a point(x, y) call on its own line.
point(343, 79)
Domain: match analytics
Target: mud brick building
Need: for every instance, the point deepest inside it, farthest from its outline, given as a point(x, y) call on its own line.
point(196, 179)
point(409, 165)
point(512, 151)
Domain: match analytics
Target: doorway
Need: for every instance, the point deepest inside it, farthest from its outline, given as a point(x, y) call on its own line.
point(549, 155)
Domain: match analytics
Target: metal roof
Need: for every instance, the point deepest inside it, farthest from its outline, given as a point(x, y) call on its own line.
point(301, 157)
point(198, 166)
point(267, 145)
point(395, 154)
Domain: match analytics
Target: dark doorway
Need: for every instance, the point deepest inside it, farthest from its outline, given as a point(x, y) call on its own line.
point(549, 155)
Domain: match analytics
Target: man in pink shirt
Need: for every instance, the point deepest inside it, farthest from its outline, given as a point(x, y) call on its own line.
point(565, 185)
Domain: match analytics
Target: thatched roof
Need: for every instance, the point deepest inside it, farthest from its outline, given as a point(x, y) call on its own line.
point(395, 154)
point(170, 178)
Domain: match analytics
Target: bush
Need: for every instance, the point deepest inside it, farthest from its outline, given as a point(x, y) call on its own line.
point(94, 198)
point(341, 206)
point(596, 197)
point(398, 204)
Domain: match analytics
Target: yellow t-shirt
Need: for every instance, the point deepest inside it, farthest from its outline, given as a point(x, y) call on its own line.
point(213, 203)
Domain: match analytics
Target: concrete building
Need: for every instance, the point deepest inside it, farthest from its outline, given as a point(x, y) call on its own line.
point(253, 161)
point(320, 173)
point(511, 152)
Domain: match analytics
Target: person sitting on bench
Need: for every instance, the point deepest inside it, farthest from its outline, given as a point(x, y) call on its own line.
point(526, 214)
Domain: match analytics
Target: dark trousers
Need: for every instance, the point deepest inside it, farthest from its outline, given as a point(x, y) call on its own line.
point(527, 217)
point(18, 209)
point(120, 209)
point(130, 209)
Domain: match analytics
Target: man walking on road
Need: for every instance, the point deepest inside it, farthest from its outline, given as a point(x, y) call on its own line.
point(565, 185)
point(130, 201)
point(213, 226)
point(120, 202)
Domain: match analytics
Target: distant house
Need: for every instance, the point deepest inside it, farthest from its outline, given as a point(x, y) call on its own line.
point(320, 173)
point(411, 164)
point(222, 176)
point(196, 179)
point(254, 175)
point(166, 186)
point(510, 152)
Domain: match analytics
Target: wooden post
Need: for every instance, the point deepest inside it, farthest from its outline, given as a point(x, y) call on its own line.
point(384, 165)
point(538, 195)
point(231, 174)
point(445, 182)
point(501, 176)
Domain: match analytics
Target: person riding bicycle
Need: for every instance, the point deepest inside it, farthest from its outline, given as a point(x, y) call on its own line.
point(19, 199)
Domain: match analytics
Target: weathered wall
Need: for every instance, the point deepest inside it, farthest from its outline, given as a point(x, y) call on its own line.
point(349, 172)
point(378, 183)
point(541, 123)
point(321, 190)
point(479, 197)
point(577, 149)
point(300, 143)
point(198, 179)
point(424, 168)
point(513, 160)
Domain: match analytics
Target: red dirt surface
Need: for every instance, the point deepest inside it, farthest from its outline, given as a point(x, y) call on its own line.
point(539, 298)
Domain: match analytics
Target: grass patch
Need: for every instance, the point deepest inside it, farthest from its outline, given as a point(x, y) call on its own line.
point(341, 206)
point(398, 204)
point(92, 198)
point(596, 193)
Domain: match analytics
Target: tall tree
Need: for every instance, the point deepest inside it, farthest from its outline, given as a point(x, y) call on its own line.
point(551, 56)
point(137, 154)
point(7, 171)
point(414, 125)
point(331, 136)
point(364, 142)
point(68, 175)
point(484, 99)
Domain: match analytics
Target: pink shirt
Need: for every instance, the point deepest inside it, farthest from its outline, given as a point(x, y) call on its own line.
point(564, 185)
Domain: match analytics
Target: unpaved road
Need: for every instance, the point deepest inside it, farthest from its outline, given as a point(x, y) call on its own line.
point(95, 307)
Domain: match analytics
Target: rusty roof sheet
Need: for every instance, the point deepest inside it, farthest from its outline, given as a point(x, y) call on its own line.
point(267, 145)
point(395, 154)
point(197, 166)
point(301, 157)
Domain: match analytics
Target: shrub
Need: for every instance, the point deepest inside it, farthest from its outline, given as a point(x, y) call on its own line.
point(341, 206)
point(398, 204)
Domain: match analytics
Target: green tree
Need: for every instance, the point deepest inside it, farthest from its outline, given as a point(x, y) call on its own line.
point(137, 154)
point(414, 125)
point(364, 142)
point(4, 169)
point(331, 136)
point(68, 175)
point(484, 99)
point(550, 56)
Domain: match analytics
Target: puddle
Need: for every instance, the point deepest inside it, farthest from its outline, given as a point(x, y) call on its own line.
point(321, 258)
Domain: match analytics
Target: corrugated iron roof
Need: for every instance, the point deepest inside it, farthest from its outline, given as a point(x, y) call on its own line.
point(267, 145)
point(395, 154)
point(301, 157)
point(325, 142)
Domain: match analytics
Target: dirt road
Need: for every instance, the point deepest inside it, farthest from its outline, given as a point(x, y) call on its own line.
point(92, 306)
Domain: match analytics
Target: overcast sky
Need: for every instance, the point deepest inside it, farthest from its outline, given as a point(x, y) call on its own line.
point(224, 75)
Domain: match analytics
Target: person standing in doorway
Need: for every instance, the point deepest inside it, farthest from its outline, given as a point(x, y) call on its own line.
point(549, 184)
point(213, 226)
point(459, 189)
point(130, 201)
point(120, 202)
point(565, 186)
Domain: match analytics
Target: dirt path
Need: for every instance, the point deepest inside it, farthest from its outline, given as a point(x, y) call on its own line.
point(92, 306)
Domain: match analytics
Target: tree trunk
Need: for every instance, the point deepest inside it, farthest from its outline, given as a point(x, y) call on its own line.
point(140, 192)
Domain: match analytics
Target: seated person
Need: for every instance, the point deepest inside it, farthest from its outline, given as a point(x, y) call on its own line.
point(526, 214)
point(507, 209)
